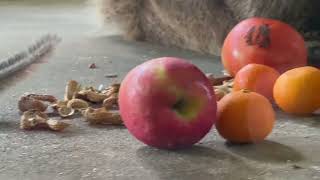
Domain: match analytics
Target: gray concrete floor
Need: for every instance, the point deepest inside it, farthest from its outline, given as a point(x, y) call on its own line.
point(104, 152)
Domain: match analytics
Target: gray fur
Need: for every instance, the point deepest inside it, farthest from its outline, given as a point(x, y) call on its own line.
point(201, 25)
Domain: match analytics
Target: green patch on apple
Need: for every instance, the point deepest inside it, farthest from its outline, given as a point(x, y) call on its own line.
point(187, 107)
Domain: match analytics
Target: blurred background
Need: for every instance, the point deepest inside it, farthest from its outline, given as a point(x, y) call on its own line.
point(23, 21)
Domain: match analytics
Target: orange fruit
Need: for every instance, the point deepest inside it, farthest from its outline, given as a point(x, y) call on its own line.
point(245, 117)
point(257, 78)
point(297, 91)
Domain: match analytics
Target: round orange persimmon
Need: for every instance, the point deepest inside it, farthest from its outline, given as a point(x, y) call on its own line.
point(257, 78)
point(297, 91)
point(245, 117)
point(263, 41)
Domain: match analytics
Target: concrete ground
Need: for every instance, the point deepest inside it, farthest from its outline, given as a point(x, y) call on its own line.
point(107, 152)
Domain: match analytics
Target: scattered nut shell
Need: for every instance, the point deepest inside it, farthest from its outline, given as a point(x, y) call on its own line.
point(229, 83)
point(91, 94)
point(114, 88)
point(223, 89)
point(57, 125)
point(44, 97)
point(32, 119)
point(219, 94)
point(35, 119)
point(95, 97)
point(82, 94)
point(110, 101)
point(71, 89)
point(27, 103)
point(218, 80)
point(77, 104)
point(65, 111)
point(115, 119)
point(75, 98)
point(102, 116)
point(59, 104)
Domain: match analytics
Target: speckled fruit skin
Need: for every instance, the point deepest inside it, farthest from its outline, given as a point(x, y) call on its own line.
point(245, 117)
point(281, 48)
point(297, 91)
point(258, 78)
point(167, 103)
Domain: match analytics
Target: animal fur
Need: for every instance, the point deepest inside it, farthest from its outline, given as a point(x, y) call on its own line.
point(201, 25)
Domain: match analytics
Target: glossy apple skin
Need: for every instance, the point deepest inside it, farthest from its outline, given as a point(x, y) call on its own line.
point(148, 99)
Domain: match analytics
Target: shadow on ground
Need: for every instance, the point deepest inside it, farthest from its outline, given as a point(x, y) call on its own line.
point(195, 163)
point(311, 120)
point(267, 151)
point(7, 126)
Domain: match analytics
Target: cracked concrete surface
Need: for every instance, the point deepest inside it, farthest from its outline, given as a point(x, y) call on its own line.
point(108, 152)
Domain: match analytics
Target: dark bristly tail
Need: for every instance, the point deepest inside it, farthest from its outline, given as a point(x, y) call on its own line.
point(29, 56)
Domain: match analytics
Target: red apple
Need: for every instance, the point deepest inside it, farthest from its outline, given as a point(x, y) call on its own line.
point(167, 103)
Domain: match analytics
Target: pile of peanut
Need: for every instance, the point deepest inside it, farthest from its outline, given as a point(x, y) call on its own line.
point(221, 85)
point(97, 106)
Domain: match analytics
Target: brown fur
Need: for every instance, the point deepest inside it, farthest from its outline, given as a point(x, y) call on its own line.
point(201, 25)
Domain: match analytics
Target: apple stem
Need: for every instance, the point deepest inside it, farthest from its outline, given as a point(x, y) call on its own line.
point(179, 104)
